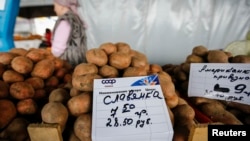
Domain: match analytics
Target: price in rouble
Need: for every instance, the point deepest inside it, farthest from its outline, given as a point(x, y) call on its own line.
point(122, 122)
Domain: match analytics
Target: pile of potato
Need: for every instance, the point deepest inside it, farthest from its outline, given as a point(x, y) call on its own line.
point(109, 60)
point(216, 110)
point(26, 79)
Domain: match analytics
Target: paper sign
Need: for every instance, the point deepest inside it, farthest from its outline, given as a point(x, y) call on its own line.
point(130, 109)
point(222, 81)
point(2, 4)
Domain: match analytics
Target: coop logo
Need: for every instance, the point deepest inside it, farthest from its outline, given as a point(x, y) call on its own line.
point(109, 81)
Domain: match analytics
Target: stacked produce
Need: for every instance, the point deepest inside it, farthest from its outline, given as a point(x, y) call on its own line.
point(26, 79)
point(216, 110)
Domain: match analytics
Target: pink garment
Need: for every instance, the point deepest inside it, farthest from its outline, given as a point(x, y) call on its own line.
point(60, 38)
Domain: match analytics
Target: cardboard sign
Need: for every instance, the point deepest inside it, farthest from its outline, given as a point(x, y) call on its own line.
point(131, 108)
point(222, 81)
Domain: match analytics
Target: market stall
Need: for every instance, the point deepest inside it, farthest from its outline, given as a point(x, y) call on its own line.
point(154, 71)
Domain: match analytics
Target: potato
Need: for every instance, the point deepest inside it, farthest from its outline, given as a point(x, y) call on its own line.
point(240, 59)
point(35, 55)
point(200, 51)
point(27, 106)
point(4, 89)
point(67, 78)
point(123, 47)
point(185, 67)
point(43, 69)
point(21, 90)
point(19, 51)
point(138, 59)
point(60, 73)
point(17, 129)
point(8, 112)
point(183, 114)
point(74, 92)
point(107, 71)
point(194, 59)
point(134, 71)
point(119, 60)
point(11, 76)
point(59, 95)
point(39, 94)
point(85, 82)
point(97, 56)
point(85, 68)
point(80, 104)
point(82, 127)
point(6, 57)
point(2, 69)
point(55, 112)
point(108, 47)
point(155, 68)
point(217, 113)
point(217, 56)
point(35, 82)
point(52, 81)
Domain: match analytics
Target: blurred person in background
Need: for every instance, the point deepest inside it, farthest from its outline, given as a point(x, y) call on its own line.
point(69, 37)
point(47, 38)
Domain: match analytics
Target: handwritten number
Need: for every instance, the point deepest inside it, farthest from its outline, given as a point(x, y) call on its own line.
point(240, 88)
point(113, 111)
point(116, 122)
point(109, 123)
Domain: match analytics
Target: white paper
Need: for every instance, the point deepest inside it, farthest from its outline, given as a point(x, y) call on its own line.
point(223, 81)
point(131, 109)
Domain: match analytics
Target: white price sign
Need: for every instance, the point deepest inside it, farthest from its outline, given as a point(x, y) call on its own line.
point(131, 108)
point(222, 81)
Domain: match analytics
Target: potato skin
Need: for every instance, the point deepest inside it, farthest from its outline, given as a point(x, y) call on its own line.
point(8, 112)
point(11, 76)
point(120, 60)
point(27, 106)
point(55, 112)
point(80, 104)
point(21, 90)
point(43, 69)
point(82, 127)
point(22, 64)
point(97, 56)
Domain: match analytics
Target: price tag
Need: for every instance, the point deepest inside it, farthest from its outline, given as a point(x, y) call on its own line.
point(222, 81)
point(131, 108)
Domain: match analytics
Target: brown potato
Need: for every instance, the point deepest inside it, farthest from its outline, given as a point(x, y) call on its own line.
point(35, 55)
point(6, 57)
point(52, 81)
point(107, 71)
point(240, 59)
point(55, 112)
point(82, 127)
point(85, 82)
point(4, 89)
point(120, 60)
point(16, 130)
point(97, 56)
point(108, 47)
point(194, 59)
point(200, 51)
point(35, 82)
point(217, 56)
point(19, 51)
point(11, 76)
point(43, 69)
point(123, 47)
point(27, 106)
point(59, 95)
point(21, 90)
point(80, 104)
point(8, 112)
point(85, 68)
point(134, 71)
